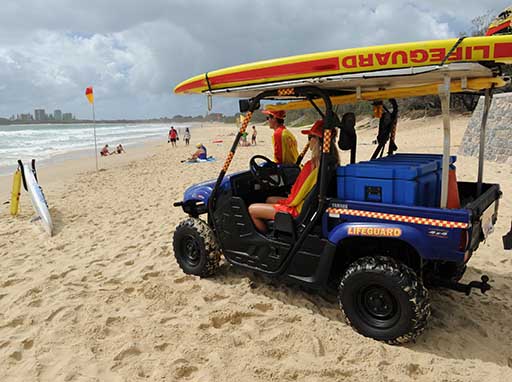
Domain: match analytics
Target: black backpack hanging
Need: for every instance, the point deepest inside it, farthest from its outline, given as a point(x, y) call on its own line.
point(387, 123)
point(348, 136)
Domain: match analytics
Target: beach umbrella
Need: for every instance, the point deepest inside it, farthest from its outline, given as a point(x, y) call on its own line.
point(90, 97)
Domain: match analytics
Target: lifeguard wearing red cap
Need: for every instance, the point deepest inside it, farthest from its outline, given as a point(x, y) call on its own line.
point(316, 129)
point(280, 114)
point(285, 144)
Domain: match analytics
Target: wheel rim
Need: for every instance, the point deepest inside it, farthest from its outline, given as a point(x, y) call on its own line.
point(377, 307)
point(191, 251)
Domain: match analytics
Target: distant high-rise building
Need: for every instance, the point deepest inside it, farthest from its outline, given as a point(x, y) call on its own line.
point(26, 117)
point(57, 115)
point(40, 115)
point(67, 117)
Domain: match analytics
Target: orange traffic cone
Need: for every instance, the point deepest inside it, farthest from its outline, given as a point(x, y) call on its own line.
point(453, 190)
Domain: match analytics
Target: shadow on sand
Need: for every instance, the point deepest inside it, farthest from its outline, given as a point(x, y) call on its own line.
point(57, 219)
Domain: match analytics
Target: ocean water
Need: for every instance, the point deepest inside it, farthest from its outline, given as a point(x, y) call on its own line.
point(45, 142)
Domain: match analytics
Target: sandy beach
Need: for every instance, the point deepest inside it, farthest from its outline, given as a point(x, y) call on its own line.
point(104, 300)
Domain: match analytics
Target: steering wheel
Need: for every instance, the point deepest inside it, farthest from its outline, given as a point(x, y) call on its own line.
point(266, 171)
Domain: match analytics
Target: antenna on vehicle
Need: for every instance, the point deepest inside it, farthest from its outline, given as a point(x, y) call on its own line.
point(209, 94)
point(209, 101)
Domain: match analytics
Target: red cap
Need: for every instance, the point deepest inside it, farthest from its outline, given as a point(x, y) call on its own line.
point(281, 114)
point(316, 129)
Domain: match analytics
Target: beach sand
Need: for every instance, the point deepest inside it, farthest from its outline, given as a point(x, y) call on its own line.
point(104, 300)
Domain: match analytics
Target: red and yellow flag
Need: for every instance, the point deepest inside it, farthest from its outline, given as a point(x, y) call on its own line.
point(89, 94)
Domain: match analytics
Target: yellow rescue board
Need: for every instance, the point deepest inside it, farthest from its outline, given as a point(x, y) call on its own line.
point(236, 81)
point(413, 91)
point(15, 196)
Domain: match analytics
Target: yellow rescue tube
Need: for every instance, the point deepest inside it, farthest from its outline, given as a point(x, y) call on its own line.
point(15, 196)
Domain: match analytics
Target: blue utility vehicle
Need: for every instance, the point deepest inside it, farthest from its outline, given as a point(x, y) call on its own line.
point(376, 233)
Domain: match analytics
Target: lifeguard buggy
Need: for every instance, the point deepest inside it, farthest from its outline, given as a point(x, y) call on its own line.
point(378, 232)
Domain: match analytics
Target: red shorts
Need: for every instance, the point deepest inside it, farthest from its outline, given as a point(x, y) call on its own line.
point(287, 209)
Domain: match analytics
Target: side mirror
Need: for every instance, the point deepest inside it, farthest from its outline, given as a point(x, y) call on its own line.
point(245, 105)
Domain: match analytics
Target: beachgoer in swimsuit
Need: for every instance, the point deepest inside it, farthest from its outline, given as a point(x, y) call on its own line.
point(200, 153)
point(104, 151)
point(186, 136)
point(243, 141)
point(120, 149)
point(173, 136)
point(253, 138)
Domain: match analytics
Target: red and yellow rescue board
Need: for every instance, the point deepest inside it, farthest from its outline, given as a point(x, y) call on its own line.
point(501, 24)
point(496, 49)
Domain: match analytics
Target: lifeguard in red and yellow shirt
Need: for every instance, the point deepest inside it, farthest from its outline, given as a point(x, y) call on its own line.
point(285, 144)
point(301, 188)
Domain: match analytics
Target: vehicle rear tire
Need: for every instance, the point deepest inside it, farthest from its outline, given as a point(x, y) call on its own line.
point(195, 248)
point(383, 299)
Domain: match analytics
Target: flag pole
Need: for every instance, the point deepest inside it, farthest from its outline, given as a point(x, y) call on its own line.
point(89, 93)
point(95, 144)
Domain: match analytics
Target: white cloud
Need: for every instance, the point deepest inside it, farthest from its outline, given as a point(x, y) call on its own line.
point(134, 53)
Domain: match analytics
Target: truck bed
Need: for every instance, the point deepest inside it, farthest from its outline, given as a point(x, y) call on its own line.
point(438, 234)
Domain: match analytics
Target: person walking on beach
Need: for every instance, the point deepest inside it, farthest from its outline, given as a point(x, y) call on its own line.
point(285, 144)
point(253, 137)
point(186, 136)
point(173, 136)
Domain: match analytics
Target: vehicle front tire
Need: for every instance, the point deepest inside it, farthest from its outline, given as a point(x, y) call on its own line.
point(195, 248)
point(383, 299)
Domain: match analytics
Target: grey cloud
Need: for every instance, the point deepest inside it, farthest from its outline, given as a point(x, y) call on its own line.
point(134, 53)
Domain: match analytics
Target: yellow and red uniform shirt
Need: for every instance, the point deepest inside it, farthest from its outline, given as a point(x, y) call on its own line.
point(301, 188)
point(285, 146)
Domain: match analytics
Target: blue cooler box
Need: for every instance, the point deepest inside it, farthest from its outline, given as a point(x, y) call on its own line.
point(394, 182)
point(423, 158)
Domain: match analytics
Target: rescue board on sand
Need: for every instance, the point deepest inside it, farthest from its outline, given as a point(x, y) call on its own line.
point(373, 68)
point(37, 198)
point(15, 195)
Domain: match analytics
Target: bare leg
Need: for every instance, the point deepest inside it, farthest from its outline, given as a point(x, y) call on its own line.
point(274, 199)
point(259, 213)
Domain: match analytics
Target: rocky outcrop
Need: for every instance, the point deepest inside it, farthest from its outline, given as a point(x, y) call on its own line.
point(498, 139)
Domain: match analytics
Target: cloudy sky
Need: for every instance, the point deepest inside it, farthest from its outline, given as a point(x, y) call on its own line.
point(134, 52)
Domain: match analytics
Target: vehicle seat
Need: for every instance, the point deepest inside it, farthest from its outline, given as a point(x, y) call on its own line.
point(285, 223)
